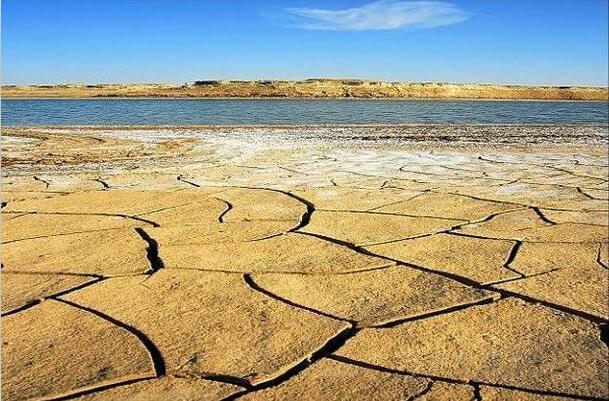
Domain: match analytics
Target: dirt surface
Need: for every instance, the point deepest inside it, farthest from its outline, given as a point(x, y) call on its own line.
point(311, 88)
point(305, 263)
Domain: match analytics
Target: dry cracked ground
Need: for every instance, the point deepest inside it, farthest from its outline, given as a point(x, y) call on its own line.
point(185, 264)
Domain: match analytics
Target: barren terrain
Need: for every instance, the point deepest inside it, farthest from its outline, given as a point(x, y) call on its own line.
point(438, 263)
point(311, 88)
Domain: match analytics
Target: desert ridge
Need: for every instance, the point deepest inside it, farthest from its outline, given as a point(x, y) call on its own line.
point(310, 88)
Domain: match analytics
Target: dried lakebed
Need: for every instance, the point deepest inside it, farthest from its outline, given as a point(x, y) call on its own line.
point(173, 263)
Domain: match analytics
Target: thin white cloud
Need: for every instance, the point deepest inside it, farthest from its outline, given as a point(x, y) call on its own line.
point(380, 15)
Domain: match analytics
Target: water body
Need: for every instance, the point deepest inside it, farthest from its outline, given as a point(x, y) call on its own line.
point(294, 112)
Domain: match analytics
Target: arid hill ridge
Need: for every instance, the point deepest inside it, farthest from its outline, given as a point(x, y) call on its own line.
point(310, 88)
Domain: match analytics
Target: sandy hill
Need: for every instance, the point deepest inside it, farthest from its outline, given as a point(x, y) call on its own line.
point(310, 88)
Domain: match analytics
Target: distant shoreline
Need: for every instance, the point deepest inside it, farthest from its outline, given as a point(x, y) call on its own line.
point(354, 99)
point(309, 89)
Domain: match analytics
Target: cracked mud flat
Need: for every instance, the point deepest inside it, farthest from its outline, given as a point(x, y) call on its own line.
point(353, 263)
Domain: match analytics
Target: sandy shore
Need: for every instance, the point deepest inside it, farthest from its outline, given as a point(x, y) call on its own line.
point(310, 88)
point(288, 263)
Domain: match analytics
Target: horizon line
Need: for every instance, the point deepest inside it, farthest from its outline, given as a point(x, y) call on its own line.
point(303, 80)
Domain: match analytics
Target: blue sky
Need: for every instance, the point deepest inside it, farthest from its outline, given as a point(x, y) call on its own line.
point(558, 42)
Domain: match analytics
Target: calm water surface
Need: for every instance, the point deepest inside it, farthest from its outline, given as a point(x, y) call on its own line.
point(292, 112)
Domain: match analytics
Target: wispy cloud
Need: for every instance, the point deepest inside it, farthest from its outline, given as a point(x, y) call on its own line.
point(379, 15)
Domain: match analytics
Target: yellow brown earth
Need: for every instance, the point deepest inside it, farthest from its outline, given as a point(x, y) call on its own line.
point(310, 88)
point(433, 262)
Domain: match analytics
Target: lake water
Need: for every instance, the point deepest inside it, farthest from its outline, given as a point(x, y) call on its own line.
point(292, 112)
